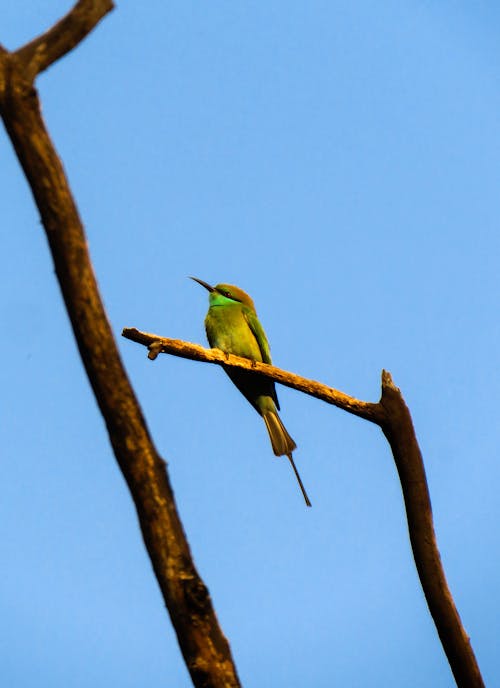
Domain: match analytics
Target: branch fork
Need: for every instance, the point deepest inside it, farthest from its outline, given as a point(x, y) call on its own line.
point(393, 417)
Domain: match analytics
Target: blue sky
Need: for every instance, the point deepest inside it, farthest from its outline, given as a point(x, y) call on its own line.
point(340, 162)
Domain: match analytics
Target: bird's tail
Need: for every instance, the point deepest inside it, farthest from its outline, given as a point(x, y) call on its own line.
point(280, 439)
point(283, 444)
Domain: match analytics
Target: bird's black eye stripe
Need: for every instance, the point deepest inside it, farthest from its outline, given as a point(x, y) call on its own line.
point(228, 295)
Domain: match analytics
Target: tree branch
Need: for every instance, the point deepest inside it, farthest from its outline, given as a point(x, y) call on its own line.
point(60, 39)
point(177, 347)
point(400, 434)
point(393, 417)
point(205, 649)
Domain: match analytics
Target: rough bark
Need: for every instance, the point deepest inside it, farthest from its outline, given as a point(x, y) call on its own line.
point(203, 645)
point(392, 415)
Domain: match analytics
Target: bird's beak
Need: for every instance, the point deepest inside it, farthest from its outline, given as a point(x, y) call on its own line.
point(203, 284)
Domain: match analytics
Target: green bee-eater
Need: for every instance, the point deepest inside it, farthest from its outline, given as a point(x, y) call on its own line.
point(232, 326)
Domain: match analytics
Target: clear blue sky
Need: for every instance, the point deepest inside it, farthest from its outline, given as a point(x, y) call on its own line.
point(340, 162)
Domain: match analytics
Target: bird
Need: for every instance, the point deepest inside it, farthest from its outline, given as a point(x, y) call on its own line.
point(233, 327)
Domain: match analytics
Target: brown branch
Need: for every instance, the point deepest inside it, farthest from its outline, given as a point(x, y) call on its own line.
point(177, 347)
point(400, 434)
point(203, 645)
point(393, 417)
point(61, 38)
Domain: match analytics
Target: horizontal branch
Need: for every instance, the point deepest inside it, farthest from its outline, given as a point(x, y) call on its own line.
point(394, 418)
point(61, 38)
point(364, 409)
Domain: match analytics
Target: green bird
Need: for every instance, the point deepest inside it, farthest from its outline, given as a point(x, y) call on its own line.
point(232, 326)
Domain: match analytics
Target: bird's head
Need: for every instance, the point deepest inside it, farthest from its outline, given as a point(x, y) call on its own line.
point(224, 294)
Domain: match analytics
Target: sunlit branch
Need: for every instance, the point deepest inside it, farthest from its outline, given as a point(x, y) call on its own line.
point(393, 417)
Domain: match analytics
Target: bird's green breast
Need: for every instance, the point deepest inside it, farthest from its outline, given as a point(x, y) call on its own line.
point(228, 330)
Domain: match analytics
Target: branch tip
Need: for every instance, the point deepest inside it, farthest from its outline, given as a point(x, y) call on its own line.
point(388, 383)
point(62, 37)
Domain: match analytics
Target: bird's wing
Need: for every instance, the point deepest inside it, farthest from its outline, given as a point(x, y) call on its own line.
point(260, 337)
point(259, 334)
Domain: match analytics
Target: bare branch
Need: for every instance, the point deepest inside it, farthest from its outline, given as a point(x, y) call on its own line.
point(399, 431)
point(42, 51)
point(205, 649)
point(177, 347)
point(393, 416)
